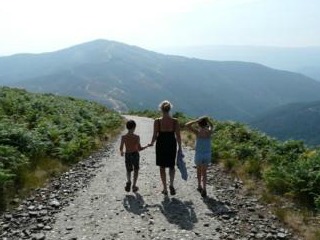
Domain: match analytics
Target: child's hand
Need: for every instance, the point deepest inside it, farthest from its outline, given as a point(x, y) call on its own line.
point(146, 146)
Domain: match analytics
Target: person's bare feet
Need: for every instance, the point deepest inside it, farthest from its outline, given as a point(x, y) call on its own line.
point(135, 188)
point(127, 187)
point(172, 190)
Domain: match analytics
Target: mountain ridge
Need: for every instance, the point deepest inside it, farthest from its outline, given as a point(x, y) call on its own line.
point(298, 121)
point(303, 60)
point(128, 77)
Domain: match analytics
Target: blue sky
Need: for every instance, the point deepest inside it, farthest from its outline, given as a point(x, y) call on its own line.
point(36, 26)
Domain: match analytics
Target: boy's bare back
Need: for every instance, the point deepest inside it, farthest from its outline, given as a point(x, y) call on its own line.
point(131, 142)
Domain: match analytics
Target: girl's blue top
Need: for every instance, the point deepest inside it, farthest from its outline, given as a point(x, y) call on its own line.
point(203, 148)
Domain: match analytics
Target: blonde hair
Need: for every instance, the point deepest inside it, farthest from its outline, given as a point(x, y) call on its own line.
point(165, 106)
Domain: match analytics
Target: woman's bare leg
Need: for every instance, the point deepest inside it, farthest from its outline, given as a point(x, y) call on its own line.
point(163, 178)
point(172, 172)
point(128, 176)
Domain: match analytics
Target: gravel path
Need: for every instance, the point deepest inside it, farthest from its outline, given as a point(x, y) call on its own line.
point(105, 211)
point(89, 202)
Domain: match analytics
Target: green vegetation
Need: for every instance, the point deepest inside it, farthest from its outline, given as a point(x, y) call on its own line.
point(44, 128)
point(145, 113)
point(288, 168)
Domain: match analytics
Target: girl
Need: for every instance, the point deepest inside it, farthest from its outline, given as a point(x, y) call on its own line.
point(203, 150)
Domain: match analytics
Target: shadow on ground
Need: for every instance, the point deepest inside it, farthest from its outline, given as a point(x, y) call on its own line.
point(217, 207)
point(180, 213)
point(176, 212)
point(134, 203)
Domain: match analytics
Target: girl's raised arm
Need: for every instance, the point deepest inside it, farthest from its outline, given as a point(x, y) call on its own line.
point(190, 126)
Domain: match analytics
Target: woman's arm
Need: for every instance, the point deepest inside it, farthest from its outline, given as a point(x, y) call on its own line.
point(177, 132)
point(155, 132)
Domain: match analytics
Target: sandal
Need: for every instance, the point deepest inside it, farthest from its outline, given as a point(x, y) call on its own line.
point(172, 190)
point(164, 192)
point(204, 193)
point(199, 189)
point(135, 188)
point(127, 187)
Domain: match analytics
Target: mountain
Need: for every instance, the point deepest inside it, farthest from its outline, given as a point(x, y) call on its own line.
point(305, 60)
point(299, 121)
point(128, 77)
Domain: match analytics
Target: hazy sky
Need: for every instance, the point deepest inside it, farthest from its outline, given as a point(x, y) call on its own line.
point(33, 26)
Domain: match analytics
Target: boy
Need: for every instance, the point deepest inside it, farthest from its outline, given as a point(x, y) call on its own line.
point(131, 142)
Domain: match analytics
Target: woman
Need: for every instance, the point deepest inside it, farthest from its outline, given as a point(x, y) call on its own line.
point(166, 134)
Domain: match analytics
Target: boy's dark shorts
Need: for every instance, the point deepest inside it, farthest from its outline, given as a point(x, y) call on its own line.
point(132, 161)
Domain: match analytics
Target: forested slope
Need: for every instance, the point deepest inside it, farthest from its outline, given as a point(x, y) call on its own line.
point(37, 128)
point(298, 121)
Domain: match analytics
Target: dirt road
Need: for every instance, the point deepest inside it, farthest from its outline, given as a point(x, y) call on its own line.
point(105, 211)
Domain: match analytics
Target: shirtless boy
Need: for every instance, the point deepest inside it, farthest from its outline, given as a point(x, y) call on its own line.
point(131, 142)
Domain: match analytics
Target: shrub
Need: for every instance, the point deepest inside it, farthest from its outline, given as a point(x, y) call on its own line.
point(38, 126)
point(299, 178)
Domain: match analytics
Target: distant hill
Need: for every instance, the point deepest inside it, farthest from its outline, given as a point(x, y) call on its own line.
point(299, 121)
point(128, 77)
point(305, 60)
